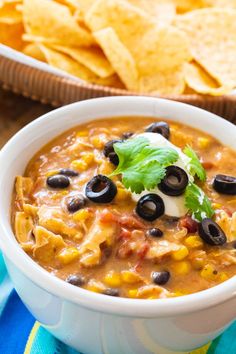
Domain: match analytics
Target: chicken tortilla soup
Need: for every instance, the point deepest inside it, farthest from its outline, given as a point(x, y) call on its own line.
point(131, 207)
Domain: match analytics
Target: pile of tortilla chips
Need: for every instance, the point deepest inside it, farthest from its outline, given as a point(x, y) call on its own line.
point(160, 47)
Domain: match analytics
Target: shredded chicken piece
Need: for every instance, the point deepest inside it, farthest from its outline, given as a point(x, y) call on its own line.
point(152, 291)
point(99, 233)
point(52, 219)
point(228, 224)
point(23, 186)
point(47, 244)
point(161, 248)
point(23, 227)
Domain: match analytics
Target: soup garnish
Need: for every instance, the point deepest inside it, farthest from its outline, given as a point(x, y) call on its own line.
point(143, 214)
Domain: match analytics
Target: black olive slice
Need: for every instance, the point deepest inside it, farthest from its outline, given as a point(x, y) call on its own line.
point(101, 189)
point(174, 182)
point(150, 207)
point(68, 172)
point(58, 181)
point(225, 184)
point(211, 233)
point(155, 232)
point(110, 153)
point(160, 128)
point(160, 278)
point(76, 203)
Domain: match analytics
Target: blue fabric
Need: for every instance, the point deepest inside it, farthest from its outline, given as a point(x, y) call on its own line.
point(15, 325)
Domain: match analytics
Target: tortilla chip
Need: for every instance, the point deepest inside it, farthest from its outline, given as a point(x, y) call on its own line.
point(163, 11)
point(164, 83)
point(9, 13)
point(93, 58)
point(200, 81)
point(222, 3)
point(211, 34)
point(111, 81)
point(10, 35)
point(85, 4)
point(72, 4)
point(189, 5)
point(34, 51)
point(65, 63)
point(119, 57)
point(54, 22)
point(154, 48)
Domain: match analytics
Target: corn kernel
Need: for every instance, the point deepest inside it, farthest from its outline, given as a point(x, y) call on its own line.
point(97, 142)
point(130, 277)
point(133, 293)
point(203, 143)
point(209, 272)
point(113, 279)
point(59, 195)
point(198, 263)
point(52, 173)
point(193, 242)
point(82, 133)
point(88, 158)
point(182, 268)
point(223, 276)
point(122, 194)
point(79, 165)
point(180, 254)
point(105, 168)
point(68, 255)
point(179, 293)
point(81, 215)
point(216, 206)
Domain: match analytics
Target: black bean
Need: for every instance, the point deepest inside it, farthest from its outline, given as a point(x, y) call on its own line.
point(155, 232)
point(101, 189)
point(58, 182)
point(211, 233)
point(160, 278)
point(68, 172)
point(76, 279)
point(127, 135)
point(76, 203)
point(160, 128)
point(110, 152)
point(175, 181)
point(111, 292)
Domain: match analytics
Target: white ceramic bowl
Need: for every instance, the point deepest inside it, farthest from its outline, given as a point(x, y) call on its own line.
point(94, 323)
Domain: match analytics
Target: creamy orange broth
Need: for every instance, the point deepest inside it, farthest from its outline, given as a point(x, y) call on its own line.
point(81, 149)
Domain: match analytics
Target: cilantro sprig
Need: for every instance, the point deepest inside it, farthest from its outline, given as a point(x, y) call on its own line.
point(142, 166)
point(195, 167)
point(198, 202)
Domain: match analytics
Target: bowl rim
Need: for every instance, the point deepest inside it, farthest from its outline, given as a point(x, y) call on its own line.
point(98, 302)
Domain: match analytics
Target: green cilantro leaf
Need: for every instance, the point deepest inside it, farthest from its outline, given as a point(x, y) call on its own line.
point(195, 166)
point(142, 166)
point(197, 202)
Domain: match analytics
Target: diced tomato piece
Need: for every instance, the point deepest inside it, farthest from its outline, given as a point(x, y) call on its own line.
point(124, 251)
point(143, 250)
point(190, 224)
point(107, 216)
point(227, 210)
point(131, 222)
point(124, 234)
point(208, 165)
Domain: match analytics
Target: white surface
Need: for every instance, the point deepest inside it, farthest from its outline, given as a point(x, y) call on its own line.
point(91, 322)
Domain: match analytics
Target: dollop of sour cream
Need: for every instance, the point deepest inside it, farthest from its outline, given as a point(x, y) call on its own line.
point(174, 206)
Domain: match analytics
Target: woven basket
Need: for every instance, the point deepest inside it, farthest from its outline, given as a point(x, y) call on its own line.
point(39, 81)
